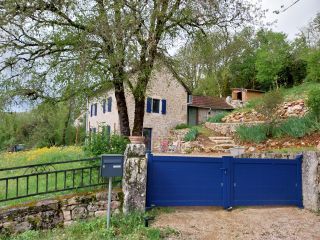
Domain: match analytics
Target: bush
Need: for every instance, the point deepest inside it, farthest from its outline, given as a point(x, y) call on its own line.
point(269, 104)
point(191, 135)
point(255, 133)
point(295, 127)
point(218, 117)
point(314, 102)
point(102, 143)
point(181, 126)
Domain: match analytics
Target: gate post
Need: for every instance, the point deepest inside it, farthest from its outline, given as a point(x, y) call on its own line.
point(134, 178)
point(227, 162)
point(299, 180)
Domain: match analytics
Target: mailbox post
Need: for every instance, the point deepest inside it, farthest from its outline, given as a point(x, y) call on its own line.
point(111, 166)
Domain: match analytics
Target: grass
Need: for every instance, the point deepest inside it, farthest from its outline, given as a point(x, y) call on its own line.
point(44, 155)
point(299, 92)
point(294, 150)
point(122, 227)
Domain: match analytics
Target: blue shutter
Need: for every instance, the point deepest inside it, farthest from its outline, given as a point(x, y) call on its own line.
point(164, 106)
point(109, 104)
point(95, 109)
point(91, 110)
point(149, 104)
point(104, 106)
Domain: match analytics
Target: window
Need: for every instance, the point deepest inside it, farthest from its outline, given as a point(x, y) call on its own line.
point(153, 105)
point(93, 109)
point(109, 104)
point(104, 106)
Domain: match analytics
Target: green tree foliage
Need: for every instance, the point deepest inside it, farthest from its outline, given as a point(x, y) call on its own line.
point(272, 57)
point(84, 46)
point(46, 125)
point(103, 143)
point(314, 102)
point(313, 65)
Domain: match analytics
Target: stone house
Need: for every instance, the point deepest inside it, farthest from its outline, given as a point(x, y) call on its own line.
point(168, 103)
point(166, 106)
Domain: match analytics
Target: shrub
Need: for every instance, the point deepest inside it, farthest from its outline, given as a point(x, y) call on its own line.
point(181, 126)
point(218, 117)
point(314, 102)
point(255, 133)
point(269, 104)
point(102, 143)
point(295, 127)
point(191, 135)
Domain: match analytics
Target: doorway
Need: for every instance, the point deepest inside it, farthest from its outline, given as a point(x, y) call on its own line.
point(147, 133)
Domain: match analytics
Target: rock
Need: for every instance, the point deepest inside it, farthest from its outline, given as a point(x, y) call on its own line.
point(79, 213)
point(251, 149)
point(100, 213)
point(92, 208)
point(115, 205)
point(67, 215)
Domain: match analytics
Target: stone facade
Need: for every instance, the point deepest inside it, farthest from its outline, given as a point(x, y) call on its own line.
point(228, 129)
point(162, 85)
point(60, 212)
point(134, 181)
point(310, 175)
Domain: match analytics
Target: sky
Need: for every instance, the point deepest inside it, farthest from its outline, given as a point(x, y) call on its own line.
point(293, 19)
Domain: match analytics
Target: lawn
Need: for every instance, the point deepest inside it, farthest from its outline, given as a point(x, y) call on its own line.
point(122, 227)
point(51, 182)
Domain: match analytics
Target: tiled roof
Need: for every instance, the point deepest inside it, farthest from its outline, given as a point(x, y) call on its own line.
point(210, 102)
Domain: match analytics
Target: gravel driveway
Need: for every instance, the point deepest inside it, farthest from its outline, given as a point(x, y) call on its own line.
point(212, 223)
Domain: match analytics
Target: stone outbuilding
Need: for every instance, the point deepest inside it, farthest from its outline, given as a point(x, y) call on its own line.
point(200, 108)
point(244, 95)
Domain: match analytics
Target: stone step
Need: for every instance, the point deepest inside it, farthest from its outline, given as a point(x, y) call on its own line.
point(220, 138)
point(223, 141)
point(224, 146)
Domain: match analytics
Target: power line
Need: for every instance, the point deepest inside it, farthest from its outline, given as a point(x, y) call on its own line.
point(283, 9)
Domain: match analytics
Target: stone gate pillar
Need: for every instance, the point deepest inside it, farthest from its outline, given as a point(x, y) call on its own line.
point(134, 178)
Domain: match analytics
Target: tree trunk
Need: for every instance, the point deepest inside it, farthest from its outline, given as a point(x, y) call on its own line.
point(138, 116)
point(66, 124)
point(122, 109)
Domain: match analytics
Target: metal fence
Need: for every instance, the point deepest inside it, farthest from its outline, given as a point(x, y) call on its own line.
point(37, 179)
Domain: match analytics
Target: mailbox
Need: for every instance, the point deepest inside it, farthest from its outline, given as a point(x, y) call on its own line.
point(111, 165)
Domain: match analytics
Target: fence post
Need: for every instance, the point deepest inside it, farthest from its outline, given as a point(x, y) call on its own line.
point(299, 180)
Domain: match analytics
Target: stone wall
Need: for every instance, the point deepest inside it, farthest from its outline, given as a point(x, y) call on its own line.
point(58, 212)
point(228, 129)
point(310, 175)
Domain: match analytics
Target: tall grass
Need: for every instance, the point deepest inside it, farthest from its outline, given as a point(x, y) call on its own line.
point(255, 133)
point(43, 155)
point(218, 117)
point(292, 127)
point(295, 127)
point(122, 227)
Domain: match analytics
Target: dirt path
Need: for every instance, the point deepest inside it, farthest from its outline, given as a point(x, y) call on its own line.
point(211, 223)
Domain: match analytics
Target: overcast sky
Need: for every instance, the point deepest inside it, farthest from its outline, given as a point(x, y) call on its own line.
point(293, 19)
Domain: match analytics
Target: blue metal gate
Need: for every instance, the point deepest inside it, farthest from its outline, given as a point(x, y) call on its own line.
point(226, 181)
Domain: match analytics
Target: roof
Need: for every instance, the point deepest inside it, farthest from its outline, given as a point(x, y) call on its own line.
point(210, 102)
point(249, 90)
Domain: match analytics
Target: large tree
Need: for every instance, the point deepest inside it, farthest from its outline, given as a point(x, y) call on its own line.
point(49, 46)
point(272, 56)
